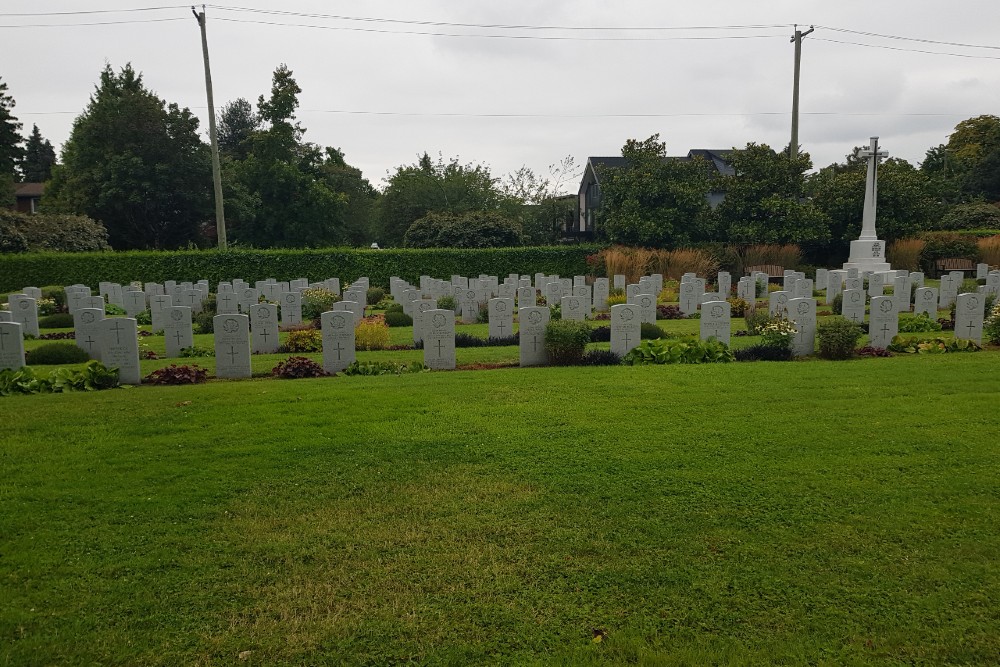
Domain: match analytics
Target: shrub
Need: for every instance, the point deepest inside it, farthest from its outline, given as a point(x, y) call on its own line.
point(838, 337)
point(195, 351)
point(977, 215)
point(394, 308)
point(174, 374)
point(468, 340)
point(678, 351)
point(52, 354)
point(145, 317)
point(383, 368)
point(397, 318)
point(374, 295)
point(600, 358)
point(905, 253)
point(204, 322)
point(298, 367)
point(53, 232)
point(600, 335)
point(917, 345)
point(473, 229)
point(306, 340)
point(617, 299)
point(372, 334)
point(869, 351)
point(566, 341)
point(940, 245)
point(57, 321)
point(316, 301)
point(837, 305)
point(446, 303)
point(737, 307)
point(756, 319)
point(665, 312)
point(483, 317)
point(918, 324)
point(991, 327)
point(94, 376)
point(649, 331)
point(57, 294)
point(778, 333)
point(761, 352)
point(112, 309)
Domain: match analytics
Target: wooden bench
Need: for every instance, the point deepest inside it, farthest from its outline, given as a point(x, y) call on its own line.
point(773, 271)
point(947, 264)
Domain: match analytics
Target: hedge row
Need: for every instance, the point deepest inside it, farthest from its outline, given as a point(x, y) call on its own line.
point(21, 270)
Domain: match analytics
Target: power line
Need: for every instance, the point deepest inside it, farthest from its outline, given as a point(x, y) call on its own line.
point(91, 23)
point(897, 48)
point(909, 39)
point(94, 11)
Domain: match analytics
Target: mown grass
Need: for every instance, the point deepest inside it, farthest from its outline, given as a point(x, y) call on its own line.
point(818, 513)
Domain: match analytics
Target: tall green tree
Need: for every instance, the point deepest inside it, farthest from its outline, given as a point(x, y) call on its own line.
point(135, 164)
point(237, 124)
point(437, 186)
point(10, 145)
point(765, 199)
point(279, 194)
point(906, 202)
point(39, 158)
point(654, 200)
point(968, 166)
point(359, 214)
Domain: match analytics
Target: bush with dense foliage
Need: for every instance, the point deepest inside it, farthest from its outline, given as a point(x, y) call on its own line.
point(678, 351)
point(294, 368)
point(838, 336)
point(447, 303)
point(383, 368)
point(942, 245)
point(600, 358)
point(252, 265)
point(920, 323)
point(397, 318)
point(304, 340)
point(372, 334)
point(475, 229)
point(44, 232)
point(174, 374)
point(918, 345)
point(56, 321)
point(93, 377)
point(316, 301)
point(761, 352)
point(566, 341)
point(649, 331)
point(975, 215)
point(991, 327)
point(52, 354)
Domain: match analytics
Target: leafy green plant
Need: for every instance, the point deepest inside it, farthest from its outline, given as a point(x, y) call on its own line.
point(756, 319)
point(678, 351)
point(204, 322)
point(397, 318)
point(778, 333)
point(383, 368)
point(446, 303)
point(669, 312)
point(920, 323)
point(294, 368)
point(112, 309)
point(305, 340)
point(145, 317)
point(991, 327)
point(566, 341)
point(52, 354)
point(94, 376)
point(56, 321)
point(917, 345)
point(196, 351)
point(649, 331)
point(600, 334)
point(374, 295)
point(174, 374)
point(372, 334)
point(838, 336)
point(837, 305)
point(316, 301)
point(738, 307)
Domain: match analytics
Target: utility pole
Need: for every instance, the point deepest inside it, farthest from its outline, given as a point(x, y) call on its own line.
point(793, 147)
point(220, 214)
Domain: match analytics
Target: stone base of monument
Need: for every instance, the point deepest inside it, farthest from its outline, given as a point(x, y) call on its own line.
point(867, 255)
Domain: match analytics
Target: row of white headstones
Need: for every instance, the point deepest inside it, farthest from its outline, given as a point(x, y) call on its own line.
point(243, 326)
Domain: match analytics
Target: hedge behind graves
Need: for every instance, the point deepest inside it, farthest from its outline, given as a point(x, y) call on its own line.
point(22, 269)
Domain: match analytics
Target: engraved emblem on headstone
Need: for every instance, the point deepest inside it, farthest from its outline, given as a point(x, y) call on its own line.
point(439, 321)
point(628, 314)
point(338, 321)
point(802, 308)
point(716, 311)
point(855, 297)
point(534, 317)
point(885, 306)
point(501, 307)
point(87, 318)
point(230, 326)
point(971, 303)
point(176, 315)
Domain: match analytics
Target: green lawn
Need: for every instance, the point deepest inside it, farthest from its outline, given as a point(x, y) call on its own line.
point(755, 513)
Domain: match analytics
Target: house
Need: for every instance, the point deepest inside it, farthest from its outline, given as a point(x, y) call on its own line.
point(27, 196)
point(589, 194)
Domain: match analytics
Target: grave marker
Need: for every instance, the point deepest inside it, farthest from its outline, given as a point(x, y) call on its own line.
point(439, 340)
point(626, 321)
point(533, 320)
point(232, 346)
point(339, 350)
point(883, 324)
point(11, 346)
point(715, 321)
point(177, 333)
point(501, 317)
point(120, 347)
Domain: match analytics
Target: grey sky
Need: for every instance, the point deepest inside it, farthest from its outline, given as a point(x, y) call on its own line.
point(713, 93)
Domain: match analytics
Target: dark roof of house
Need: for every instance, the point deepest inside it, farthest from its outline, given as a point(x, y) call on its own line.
point(718, 158)
point(29, 190)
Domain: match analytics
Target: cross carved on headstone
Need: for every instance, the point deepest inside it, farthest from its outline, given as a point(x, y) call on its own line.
point(338, 349)
point(534, 343)
point(971, 326)
point(177, 336)
point(885, 329)
point(232, 354)
point(90, 342)
point(264, 334)
point(440, 344)
point(501, 326)
point(3, 334)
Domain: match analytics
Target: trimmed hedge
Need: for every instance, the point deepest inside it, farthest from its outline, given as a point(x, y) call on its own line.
point(18, 270)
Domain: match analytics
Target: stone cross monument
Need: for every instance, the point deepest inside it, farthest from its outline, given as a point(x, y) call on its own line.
point(868, 252)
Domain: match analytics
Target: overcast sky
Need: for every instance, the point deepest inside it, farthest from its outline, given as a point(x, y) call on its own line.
point(570, 94)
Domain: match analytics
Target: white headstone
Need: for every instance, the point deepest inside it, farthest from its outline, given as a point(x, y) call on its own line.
point(135, 302)
point(601, 290)
point(778, 303)
point(883, 324)
point(227, 302)
point(619, 281)
point(647, 307)
point(264, 328)
point(802, 311)
point(715, 321)
point(25, 312)
point(525, 297)
point(531, 332)
point(470, 306)
point(11, 346)
point(6, 316)
point(177, 333)
point(291, 308)
point(689, 297)
point(901, 293)
point(626, 323)
point(501, 317)
point(969, 314)
point(420, 322)
point(572, 308)
point(925, 300)
point(87, 326)
point(439, 340)
point(232, 346)
point(853, 305)
point(120, 348)
point(338, 340)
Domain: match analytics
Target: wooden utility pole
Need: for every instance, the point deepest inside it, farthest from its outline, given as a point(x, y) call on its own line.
point(220, 214)
point(793, 147)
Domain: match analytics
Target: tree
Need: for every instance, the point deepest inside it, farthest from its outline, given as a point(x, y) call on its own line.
point(429, 186)
point(237, 124)
point(361, 197)
point(906, 202)
point(10, 145)
point(654, 200)
point(475, 229)
point(135, 164)
point(968, 166)
point(279, 194)
point(39, 158)
point(764, 199)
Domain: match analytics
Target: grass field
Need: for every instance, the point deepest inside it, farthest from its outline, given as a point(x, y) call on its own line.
point(755, 513)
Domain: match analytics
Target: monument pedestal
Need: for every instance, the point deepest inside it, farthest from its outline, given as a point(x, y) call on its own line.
point(868, 255)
